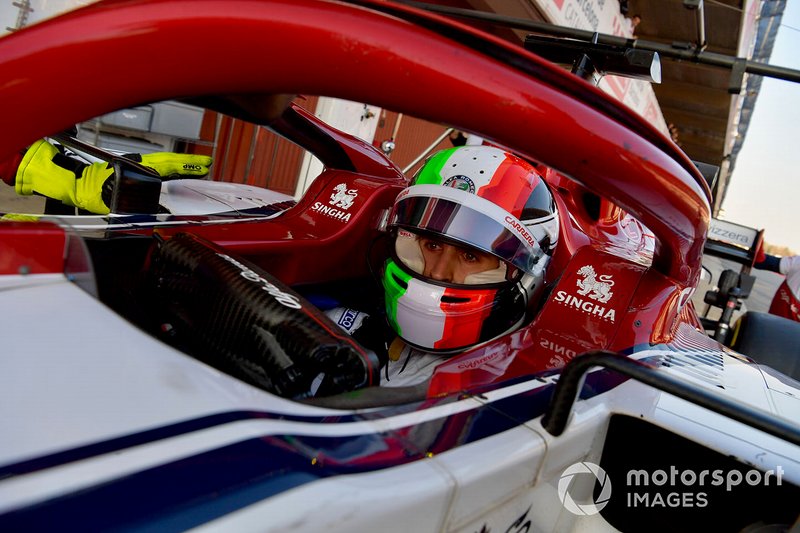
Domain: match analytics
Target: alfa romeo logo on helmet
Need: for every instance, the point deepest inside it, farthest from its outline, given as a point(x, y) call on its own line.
point(587, 508)
point(460, 182)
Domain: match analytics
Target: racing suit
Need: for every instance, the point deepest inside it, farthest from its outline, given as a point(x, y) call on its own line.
point(402, 364)
point(785, 302)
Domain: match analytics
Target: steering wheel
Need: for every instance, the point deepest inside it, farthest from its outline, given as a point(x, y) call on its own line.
point(366, 51)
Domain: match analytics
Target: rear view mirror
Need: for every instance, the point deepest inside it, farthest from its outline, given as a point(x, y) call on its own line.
point(136, 188)
point(709, 172)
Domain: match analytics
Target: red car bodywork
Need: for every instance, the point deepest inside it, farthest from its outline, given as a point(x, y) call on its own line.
point(505, 94)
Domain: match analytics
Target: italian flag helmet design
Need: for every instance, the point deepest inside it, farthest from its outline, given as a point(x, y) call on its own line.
point(474, 197)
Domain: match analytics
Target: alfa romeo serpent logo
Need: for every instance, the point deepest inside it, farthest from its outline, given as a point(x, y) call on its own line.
point(460, 182)
point(586, 508)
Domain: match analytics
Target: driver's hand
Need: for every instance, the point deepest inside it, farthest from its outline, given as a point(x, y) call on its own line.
point(47, 171)
point(172, 165)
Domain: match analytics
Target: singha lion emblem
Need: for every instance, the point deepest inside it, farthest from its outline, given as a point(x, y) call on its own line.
point(597, 288)
point(343, 197)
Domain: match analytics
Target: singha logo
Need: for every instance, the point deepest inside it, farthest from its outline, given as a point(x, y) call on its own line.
point(343, 197)
point(596, 288)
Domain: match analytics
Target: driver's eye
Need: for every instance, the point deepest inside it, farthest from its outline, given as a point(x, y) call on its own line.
point(432, 246)
point(469, 257)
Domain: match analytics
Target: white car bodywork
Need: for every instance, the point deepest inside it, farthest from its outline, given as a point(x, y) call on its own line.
point(170, 408)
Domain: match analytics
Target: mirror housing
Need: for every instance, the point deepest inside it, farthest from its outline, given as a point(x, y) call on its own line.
point(710, 173)
point(137, 188)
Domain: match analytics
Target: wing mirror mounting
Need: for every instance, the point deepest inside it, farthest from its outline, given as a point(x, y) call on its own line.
point(137, 188)
point(710, 173)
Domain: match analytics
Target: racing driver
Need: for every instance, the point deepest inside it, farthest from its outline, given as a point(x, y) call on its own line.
point(473, 235)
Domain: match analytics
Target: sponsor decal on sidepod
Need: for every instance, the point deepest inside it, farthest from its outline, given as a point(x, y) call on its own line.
point(341, 200)
point(593, 287)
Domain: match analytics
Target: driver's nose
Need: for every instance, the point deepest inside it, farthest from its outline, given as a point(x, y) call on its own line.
point(442, 267)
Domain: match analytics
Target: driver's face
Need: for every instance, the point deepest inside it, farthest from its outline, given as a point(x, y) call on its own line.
point(452, 264)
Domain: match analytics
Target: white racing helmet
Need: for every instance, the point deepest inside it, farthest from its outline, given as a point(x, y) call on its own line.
point(478, 198)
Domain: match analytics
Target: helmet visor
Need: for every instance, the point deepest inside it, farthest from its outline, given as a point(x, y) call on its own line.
point(409, 250)
point(512, 242)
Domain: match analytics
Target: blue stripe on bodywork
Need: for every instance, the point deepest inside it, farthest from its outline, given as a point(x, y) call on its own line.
point(173, 497)
point(189, 492)
point(153, 435)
